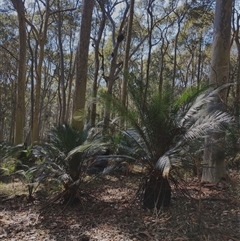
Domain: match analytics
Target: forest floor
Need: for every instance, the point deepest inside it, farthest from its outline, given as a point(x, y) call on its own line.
point(111, 211)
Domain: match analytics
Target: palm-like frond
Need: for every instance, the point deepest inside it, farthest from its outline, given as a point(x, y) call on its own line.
point(215, 121)
point(65, 138)
point(163, 126)
point(194, 107)
point(132, 116)
point(196, 123)
point(156, 124)
point(93, 147)
point(49, 169)
point(132, 142)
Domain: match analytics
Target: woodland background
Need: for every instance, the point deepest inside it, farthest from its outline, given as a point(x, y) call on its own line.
point(170, 44)
point(121, 107)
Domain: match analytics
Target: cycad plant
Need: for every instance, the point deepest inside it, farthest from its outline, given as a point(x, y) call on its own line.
point(161, 130)
point(55, 166)
point(37, 163)
point(62, 140)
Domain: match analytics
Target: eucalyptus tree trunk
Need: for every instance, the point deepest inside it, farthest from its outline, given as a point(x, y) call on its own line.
point(62, 92)
point(40, 36)
point(93, 108)
point(20, 101)
point(199, 60)
point(237, 96)
point(72, 67)
point(82, 63)
point(115, 66)
point(150, 23)
point(180, 18)
point(163, 51)
point(214, 162)
point(127, 52)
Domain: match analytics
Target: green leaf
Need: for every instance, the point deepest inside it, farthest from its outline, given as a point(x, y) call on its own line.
point(79, 115)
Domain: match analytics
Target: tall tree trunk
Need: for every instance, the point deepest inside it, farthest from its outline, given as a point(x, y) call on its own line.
point(93, 108)
point(115, 66)
point(150, 45)
point(180, 18)
point(62, 93)
point(199, 61)
point(237, 97)
point(41, 39)
point(70, 78)
point(163, 51)
point(31, 74)
point(214, 160)
point(127, 52)
point(20, 102)
point(70, 81)
point(82, 63)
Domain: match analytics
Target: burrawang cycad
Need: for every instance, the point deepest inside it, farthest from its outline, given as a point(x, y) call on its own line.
point(161, 130)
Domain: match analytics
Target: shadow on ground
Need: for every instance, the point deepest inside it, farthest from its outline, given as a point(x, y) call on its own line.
point(111, 210)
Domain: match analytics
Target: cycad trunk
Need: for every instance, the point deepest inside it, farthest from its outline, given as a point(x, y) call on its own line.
point(214, 163)
point(157, 191)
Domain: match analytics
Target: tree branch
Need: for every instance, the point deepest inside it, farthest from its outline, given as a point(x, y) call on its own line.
point(9, 52)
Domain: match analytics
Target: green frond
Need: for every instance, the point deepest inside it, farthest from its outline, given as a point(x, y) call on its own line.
point(84, 148)
point(196, 123)
point(79, 115)
point(65, 138)
point(162, 126)
point(192, 112)
point(188, 96)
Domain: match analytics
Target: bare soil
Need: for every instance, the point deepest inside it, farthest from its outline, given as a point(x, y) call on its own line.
point(110, 210)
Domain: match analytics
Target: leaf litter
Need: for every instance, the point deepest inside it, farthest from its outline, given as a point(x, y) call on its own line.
point(111, 211)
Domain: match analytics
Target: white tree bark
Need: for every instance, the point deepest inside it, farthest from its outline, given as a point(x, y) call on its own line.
point(214, 168)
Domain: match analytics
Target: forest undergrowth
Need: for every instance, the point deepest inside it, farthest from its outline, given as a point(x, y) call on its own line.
point(110, 210)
